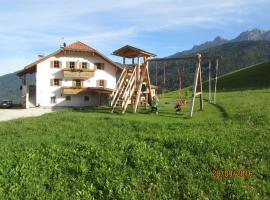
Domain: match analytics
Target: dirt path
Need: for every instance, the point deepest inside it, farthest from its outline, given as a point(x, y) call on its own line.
point(8, 114)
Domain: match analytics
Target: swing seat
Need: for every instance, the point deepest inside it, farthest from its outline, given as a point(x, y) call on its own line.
point(181, 103)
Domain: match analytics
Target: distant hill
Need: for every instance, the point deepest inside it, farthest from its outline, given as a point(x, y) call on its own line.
point(10, 87)
point(253, 77)
point(236, 55)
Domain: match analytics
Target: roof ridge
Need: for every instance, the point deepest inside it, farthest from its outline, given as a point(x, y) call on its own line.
point(80, 46)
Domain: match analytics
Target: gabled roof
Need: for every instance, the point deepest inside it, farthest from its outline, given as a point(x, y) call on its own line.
point(79, 46)
point(131, 52)
point(76, 46)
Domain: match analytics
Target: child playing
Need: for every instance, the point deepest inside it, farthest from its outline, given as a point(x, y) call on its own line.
point(179, 105)
point(154, 105)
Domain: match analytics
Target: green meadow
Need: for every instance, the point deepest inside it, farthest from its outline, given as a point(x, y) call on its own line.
point(93, 154)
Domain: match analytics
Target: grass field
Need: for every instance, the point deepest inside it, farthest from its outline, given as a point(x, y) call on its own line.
point(93, 154)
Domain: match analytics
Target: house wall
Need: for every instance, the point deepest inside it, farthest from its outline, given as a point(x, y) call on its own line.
point(44, 91)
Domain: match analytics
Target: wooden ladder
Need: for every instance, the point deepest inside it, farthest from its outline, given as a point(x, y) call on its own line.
point(124, 90)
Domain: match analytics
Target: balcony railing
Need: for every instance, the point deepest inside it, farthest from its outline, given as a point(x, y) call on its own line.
point(84, 90)
point(74, 90)
point(78, 73)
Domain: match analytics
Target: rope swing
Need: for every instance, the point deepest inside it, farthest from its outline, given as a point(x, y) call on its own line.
point(215, 92)
point(180, 73)
point(214, 99)
point(164, 79)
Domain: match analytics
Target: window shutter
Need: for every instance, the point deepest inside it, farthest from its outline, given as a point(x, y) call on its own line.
point(67, 64)
point(88, 65)
point(105, 83)
point(81, 83)
point(51, 63)
point(97, 83)
point(60, 64)
point(73, 83)
point(80, 65)
point(51, 83)
point(60, 82)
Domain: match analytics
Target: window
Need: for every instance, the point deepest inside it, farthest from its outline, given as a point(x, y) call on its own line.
point(101, 83)
point(53, 100)
point(78, 83)
point(68, 98)
point(84, 65)
point(99, 66)
point(55, 82)
point(86, 98)
point(72, 65)
point(56, 64)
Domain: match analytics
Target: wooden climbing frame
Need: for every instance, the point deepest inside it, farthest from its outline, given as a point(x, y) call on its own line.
point(128, 89)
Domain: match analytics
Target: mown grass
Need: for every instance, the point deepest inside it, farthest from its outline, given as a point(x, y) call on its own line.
point(93, 154)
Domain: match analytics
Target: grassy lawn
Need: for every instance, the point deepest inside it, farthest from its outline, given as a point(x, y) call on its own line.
point(93, 154)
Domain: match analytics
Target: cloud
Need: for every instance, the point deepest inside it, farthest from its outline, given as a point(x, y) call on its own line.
point(30, 26)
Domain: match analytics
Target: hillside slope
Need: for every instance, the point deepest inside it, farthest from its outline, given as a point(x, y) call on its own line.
point(236, 56)
point(10, 87)
point(253, 77)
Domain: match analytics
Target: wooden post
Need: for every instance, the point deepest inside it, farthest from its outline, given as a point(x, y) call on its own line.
point(209, 79)
point(215, 92)
point(179, 82)
point(140, 87)
point(146, 99)
point(147, 75)
point(194, 93)
point(164, 75)
point(156, 74)
point(164, 79)
point(200, 89)
point(138, 71)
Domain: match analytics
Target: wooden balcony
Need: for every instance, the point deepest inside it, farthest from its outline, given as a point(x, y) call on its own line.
point(85, 90)
point(78, 73)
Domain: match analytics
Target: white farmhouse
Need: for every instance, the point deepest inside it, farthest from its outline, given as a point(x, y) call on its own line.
point(76, 75)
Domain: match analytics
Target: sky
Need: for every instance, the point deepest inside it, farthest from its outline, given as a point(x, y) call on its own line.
point(164, 27)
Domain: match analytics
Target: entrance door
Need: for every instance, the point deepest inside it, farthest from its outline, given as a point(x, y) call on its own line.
point(32, 96)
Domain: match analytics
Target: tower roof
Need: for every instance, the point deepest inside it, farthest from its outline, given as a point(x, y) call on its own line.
point(131, 52)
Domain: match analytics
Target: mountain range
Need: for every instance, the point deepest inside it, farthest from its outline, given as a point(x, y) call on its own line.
point(252, 35)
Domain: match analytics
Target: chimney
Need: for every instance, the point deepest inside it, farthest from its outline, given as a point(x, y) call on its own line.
point(62, 45)
point(40, 56)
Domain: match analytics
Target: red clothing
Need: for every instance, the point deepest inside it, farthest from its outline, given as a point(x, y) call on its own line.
point(180, 103)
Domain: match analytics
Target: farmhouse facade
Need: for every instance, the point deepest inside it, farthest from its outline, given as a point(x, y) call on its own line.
point(76, 75)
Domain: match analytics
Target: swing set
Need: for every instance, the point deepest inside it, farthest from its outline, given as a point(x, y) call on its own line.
point(180, 75)
point(197, 85)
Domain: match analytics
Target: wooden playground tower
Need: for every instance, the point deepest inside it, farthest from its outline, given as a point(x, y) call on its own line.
point(134, 75)
point(129, 86)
